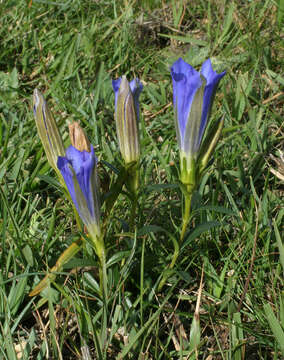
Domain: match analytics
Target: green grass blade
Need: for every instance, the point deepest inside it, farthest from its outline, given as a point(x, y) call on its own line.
point(275, 327)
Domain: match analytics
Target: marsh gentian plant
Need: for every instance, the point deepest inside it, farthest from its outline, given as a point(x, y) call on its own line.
point(193, 95)
point(54, 149)
point(77, 171)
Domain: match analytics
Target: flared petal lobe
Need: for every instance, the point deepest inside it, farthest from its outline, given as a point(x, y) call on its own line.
point(212, 81)
point(136, 88)
point(127, 116)
point(79, 170)
point(115, 86)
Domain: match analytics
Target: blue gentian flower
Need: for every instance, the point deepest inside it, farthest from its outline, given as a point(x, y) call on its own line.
point(193, 95)
point(127, 117)
point(79, 170)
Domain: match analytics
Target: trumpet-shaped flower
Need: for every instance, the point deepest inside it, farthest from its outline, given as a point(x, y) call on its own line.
point(127, 116)
point(193, 95)
point(79, 170)
point(47, 130)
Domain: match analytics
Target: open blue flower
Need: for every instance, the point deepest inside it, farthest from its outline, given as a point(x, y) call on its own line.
point(127, 117)
point(193, 95)
point(79, 170)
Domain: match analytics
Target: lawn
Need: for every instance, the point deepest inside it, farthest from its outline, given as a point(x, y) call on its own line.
point(222, 295)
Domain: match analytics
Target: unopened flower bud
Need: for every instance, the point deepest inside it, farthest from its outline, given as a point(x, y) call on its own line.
point(79, 138)
point(47, 130)
point(127, 116)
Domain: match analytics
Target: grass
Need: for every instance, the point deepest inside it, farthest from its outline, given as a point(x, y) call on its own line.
point(71, 50)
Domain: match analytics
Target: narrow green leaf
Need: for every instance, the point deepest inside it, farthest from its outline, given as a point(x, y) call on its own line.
point(199, 230)
point(28, 254)
point(279, 244)
point(275, 327)
point(280, 13)
point(237, 336)
point(185, 39)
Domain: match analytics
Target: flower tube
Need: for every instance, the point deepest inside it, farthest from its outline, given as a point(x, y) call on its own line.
point(193, 95)
point(79, 171)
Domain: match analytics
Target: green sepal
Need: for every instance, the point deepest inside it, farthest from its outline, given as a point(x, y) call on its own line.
point(185, 189)
point(188, 172)
point(132, 181)
point(208, 145)
point(98, 244)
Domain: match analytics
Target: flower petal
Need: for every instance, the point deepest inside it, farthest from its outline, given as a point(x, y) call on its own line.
point(136, 88)
point(212, 81)
point(116, 86)
point(64, 166)
point(186, 81)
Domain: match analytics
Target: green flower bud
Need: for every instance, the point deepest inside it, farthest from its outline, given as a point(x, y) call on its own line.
point(127, 116)
point(47, 130)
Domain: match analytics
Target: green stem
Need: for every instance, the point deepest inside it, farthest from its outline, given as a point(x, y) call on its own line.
point(168, 271)
point(99, 246)
point(133, 184)
point(186, 214)
point(103, 275)
point(134, 179)
point(133, 211)
point(103, 288)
